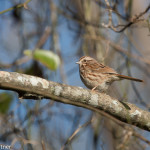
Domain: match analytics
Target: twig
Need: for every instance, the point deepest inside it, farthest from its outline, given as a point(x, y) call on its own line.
point(44, 37)
point(18, 6)
point(25, 59)
point(43, 145)
point(134, 20)
point(75, 133)
point(83, 22)
point(141, 137)
point(120, 49)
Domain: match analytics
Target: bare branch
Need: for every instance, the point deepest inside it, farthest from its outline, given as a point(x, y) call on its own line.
point(28, 85)
point(17, 6)
point(134, 19)
point(120, 49)
point(118, 28)
point(75, 133)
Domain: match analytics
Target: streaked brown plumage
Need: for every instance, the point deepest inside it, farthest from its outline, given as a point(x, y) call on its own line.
point(98, 76)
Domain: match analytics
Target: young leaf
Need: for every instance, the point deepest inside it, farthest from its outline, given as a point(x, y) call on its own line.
point(47, 58)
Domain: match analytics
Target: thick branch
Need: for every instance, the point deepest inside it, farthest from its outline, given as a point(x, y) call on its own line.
point(30, 86)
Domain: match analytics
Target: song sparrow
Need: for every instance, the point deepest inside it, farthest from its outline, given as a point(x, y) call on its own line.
point(98, 76)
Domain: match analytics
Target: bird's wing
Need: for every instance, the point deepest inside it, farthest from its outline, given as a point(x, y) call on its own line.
point(100, 68)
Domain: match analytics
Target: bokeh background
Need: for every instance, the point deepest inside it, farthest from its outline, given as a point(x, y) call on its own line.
point(71, 29)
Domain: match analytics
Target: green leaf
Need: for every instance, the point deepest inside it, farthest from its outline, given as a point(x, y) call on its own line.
point(47, 58)
point(5, 101)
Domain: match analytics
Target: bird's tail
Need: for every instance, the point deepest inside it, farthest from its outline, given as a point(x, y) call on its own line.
point(129, 78)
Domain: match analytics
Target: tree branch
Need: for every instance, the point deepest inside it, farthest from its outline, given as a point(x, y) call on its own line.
point(34, 87)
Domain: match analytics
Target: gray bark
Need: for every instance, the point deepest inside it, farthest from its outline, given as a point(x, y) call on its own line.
point(37, 88)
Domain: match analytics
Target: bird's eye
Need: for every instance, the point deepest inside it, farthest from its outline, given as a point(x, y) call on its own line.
point(84, 60)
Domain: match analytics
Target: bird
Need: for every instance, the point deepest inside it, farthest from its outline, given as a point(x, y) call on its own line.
point(97, 76)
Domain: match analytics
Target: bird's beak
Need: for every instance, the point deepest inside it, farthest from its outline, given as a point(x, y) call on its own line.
point(77, 62)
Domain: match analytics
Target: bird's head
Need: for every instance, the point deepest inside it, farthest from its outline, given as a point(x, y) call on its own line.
point(85, 60)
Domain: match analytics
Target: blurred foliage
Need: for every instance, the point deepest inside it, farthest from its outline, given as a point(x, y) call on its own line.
point(5, 102)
